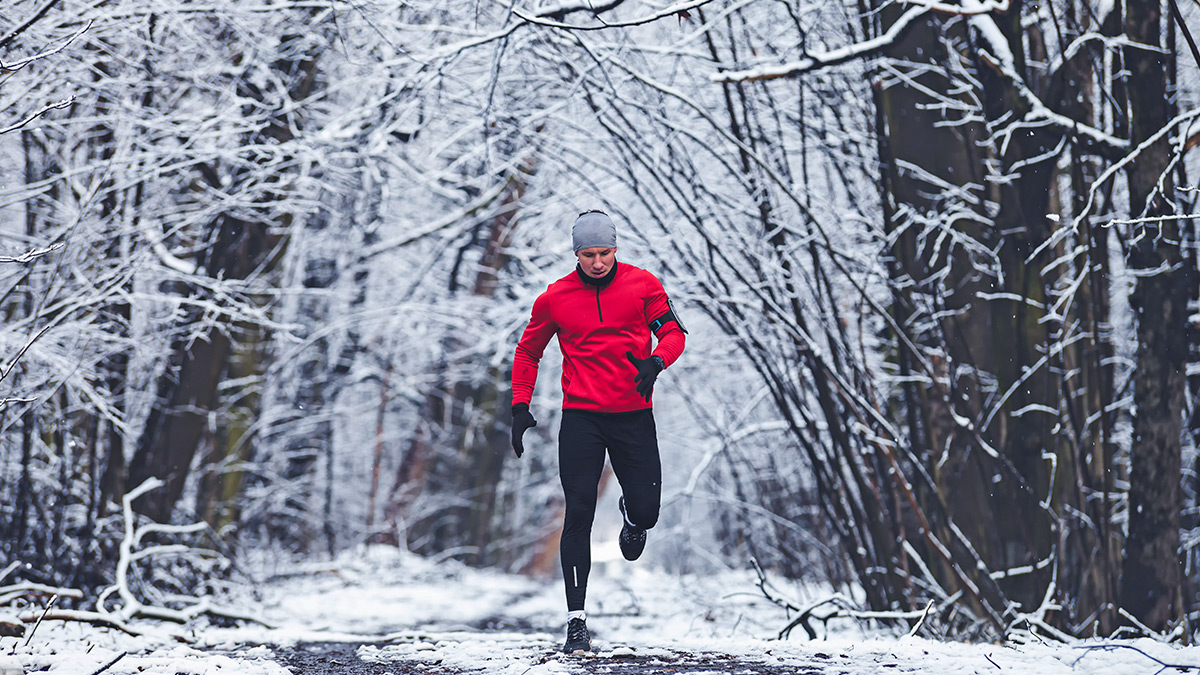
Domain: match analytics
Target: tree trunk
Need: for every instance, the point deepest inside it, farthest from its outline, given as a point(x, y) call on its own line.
point(239, 247)
point(985, 343)
point(1151, 581)
point(454, 462)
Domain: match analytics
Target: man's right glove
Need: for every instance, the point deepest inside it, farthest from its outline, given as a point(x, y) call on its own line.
point(522, 420)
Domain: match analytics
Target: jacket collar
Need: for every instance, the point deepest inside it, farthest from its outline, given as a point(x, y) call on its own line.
point(602, 281)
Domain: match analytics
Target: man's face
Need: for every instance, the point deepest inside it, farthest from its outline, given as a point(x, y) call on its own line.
point(597, 260)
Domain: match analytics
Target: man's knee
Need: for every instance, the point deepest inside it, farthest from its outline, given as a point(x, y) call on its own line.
point(578, 516)
point(642, 512)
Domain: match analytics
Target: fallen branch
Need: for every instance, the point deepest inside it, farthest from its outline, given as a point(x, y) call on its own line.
point(842, 607)
point(110, 664)
point(94, 618)
point(1182, 667)
point(131, 552)
point(28, 589)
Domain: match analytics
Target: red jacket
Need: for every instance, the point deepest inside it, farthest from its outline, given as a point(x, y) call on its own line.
point(595, 326)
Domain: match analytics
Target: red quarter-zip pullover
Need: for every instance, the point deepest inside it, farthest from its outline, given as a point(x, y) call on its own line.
point(595, 326)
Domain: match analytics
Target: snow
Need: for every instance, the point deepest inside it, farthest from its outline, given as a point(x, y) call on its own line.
point(428, 616)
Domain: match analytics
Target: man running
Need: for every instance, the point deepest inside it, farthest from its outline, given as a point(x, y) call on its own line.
point(603, 314)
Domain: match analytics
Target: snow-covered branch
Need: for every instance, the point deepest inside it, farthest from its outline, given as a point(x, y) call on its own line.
point(130, 553)
point(1001, 58)
point(889, 37)
point(545, 17)
point(842, 607)
point(32, 254)
point(559, 11)
point(1108, 174)
point(466, 215)
point(830, 58)
point(17, 65)
point(59, 105)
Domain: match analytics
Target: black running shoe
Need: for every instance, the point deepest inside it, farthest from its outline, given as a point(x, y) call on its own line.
point(633, 538)
point(578, 638)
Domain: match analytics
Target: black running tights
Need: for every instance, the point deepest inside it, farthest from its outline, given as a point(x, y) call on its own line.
point(632, 446)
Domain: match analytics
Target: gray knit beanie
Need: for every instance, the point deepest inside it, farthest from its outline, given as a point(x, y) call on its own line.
point(594, 228)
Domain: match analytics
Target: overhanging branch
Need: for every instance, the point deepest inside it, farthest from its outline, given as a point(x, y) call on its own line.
point(866, 48)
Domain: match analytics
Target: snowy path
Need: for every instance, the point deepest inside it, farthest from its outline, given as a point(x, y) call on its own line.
point(382, 612)
point(537, 655)
point(475, 653)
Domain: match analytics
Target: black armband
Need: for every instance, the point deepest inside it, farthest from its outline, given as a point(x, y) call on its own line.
point(663, 320)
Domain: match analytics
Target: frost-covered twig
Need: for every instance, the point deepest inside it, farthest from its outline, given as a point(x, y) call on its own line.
point(31, 254)
point(921, 622)
point(38, 623)
point(459, 217)
point(5, 370)
point(8, 569)
point(45, 109)
point(17, 65)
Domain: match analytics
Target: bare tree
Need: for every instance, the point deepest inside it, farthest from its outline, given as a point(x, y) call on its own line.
point(1166, 274)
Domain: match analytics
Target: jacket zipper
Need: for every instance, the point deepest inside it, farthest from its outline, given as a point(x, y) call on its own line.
point(599, 312)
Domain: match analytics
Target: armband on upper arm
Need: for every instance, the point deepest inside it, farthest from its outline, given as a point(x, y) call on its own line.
point(666, 318)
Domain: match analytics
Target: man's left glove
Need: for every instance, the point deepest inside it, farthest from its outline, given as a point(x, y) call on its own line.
point(522, 420)
point(648, 370)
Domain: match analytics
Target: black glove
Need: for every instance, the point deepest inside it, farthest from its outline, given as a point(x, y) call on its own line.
point(648, 370)
point(522, 420)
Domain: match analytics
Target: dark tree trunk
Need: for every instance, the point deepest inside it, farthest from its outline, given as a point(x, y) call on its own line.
point(984, 344)
point(238, 247)
point(454, 461)
point(1151, 581)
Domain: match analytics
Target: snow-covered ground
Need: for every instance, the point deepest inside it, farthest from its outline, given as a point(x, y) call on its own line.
point(412, 615)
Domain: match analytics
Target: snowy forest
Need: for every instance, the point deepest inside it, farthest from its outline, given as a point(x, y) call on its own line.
point(264, 263)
